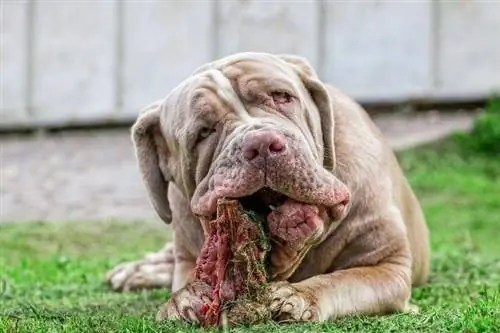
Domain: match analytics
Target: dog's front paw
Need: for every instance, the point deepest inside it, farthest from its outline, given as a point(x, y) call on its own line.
point(188, 304)
point(155, 270)
point(289, 303)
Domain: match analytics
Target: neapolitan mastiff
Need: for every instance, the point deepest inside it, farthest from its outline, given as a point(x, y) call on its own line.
point(265, 128)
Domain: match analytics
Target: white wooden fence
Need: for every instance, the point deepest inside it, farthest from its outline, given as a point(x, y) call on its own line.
point(76, 61)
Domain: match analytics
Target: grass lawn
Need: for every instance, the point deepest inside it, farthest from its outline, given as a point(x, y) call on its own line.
point(52, 275)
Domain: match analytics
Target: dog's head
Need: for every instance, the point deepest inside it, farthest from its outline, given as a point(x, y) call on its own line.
point(252, 126)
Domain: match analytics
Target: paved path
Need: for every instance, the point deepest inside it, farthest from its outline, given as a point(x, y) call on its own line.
point(92, 175)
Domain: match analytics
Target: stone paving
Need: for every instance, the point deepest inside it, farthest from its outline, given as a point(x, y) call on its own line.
point(92, 175)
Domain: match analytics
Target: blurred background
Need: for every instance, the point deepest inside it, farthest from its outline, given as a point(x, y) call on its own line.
point(92, 65)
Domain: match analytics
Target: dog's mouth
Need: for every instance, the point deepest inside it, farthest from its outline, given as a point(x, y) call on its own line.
point(263, 202)
point(292, 226)
point(288, 221)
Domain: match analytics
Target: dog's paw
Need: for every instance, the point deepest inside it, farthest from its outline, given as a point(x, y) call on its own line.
point(155, 270)
point(188, 304)
point(290, 304)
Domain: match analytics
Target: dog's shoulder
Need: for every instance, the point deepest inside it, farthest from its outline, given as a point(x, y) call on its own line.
point(362, 153)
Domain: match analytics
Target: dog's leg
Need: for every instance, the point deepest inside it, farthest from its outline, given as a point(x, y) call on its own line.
point(188, 294)
point(372, 275)
point(364, 290)
point(155, 270)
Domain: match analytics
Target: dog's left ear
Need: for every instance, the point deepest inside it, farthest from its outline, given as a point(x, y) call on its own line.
point(153, 155)
point(322, 99)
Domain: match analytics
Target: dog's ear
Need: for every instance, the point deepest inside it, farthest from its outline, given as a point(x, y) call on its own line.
point(322, 99)
point(152, 155)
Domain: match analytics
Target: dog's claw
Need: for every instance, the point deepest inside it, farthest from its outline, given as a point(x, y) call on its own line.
point(288, 303)
point(186, 304)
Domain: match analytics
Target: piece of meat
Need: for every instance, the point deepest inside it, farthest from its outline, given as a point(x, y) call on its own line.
point(232, 263)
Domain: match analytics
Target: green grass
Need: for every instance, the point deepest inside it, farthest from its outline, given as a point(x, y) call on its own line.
point(53, 274)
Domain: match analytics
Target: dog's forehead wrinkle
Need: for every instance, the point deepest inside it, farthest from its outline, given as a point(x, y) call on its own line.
point(183, 89)
point(249, 63)
point(226, 92)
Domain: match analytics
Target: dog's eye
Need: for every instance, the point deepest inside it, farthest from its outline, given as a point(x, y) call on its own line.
point(204, 133)
point(281, 97)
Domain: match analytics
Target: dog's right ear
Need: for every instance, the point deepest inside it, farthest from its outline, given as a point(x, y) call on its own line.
point(152, 155)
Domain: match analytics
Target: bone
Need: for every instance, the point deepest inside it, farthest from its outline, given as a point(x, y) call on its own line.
point(232, 264)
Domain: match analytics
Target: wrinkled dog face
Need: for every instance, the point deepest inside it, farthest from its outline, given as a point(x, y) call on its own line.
point(259, 128)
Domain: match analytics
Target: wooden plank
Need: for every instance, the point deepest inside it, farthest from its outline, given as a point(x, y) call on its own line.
point(13, 59)
point(274, 27)
point(164, 42)
point(469, 57)
point(74, 60)
point(378, 50)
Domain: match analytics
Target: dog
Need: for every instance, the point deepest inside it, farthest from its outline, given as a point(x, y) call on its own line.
point(263, 128)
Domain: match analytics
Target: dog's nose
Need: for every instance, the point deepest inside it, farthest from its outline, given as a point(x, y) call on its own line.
point(263, 144)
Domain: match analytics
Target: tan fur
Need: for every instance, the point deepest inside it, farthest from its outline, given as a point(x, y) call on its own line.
point(366, 262)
